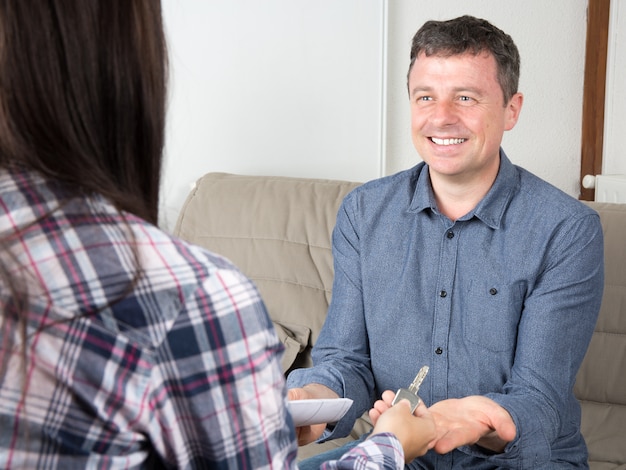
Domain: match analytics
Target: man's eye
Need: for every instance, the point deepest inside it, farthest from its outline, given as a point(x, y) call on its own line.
point(424, 98)
point(464, 98)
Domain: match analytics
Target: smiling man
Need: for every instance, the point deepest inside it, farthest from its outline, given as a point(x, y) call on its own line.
point(466, 263)
point(459, 114)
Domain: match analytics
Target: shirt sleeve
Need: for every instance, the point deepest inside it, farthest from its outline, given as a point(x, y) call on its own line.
point(219, 396)
point(345, 370)
point(556, 326)
point(381, 451)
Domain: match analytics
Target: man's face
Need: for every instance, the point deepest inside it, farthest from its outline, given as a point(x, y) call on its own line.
point(458, 115)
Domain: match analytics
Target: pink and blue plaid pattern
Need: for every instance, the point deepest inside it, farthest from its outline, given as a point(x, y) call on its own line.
point(183, 371)
point(176, 367)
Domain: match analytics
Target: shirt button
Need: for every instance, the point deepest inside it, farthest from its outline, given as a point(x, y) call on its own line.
point(438, 351)
point(443, 293)
point(493, 291)
point(450, 234)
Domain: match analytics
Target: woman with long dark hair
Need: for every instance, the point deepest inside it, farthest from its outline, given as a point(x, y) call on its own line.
point(120, 346)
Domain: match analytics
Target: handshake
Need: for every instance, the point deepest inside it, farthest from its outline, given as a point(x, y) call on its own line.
point(444, 426)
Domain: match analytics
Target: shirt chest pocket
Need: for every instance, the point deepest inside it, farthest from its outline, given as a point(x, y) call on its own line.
point(490, 312)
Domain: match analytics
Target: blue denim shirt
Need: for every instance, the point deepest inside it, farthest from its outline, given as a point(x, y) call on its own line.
point(501, 302)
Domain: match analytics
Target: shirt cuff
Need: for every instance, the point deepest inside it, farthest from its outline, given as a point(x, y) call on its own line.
point(379, 451)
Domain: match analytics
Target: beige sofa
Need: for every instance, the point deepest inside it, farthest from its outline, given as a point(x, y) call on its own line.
point(277, 230)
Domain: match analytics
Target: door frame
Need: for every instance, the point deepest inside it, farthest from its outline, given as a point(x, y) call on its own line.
point(596, 49)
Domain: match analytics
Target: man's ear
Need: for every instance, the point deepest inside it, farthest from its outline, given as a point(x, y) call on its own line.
point(513, 109)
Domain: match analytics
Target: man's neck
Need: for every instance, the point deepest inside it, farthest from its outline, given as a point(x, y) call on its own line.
point(456, 197)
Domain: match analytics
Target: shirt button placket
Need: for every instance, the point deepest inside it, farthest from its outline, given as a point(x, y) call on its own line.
point(443, 312)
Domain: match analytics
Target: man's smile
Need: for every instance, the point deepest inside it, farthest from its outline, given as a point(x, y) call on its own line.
point(453, 141)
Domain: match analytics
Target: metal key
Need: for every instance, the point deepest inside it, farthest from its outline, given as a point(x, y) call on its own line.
point(410, 393)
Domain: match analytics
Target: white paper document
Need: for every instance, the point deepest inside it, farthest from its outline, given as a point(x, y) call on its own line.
point(307, 412)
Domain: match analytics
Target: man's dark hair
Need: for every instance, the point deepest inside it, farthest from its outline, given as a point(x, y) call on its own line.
point(467, 34)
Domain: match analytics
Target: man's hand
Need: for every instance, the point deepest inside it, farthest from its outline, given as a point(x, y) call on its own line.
point(308, 434)
point(472, 420)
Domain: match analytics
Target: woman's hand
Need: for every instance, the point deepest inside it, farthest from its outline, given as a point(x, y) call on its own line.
point(416, 432)
point(308, 434)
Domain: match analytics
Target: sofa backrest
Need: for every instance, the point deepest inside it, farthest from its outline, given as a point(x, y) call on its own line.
point(277, 230)
point(601, 381)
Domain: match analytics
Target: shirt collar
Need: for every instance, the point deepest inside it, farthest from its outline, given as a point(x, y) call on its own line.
point(490, 209)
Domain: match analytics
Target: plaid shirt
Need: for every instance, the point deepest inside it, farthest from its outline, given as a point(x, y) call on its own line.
point(181, 371)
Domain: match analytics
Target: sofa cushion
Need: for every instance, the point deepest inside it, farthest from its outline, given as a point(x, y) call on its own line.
point(277, 230)
point(601, 381)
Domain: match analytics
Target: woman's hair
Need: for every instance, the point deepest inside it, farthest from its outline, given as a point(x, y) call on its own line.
point(82, 96)
point(82, 103)
point(468, 34)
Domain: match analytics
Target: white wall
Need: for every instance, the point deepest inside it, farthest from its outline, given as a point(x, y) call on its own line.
point(278, 87)
point(317, 87)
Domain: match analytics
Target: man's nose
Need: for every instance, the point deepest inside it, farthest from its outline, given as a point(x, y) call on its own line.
point(444, 113)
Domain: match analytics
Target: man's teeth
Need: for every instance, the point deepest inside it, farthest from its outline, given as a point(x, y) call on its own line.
point(447, 141)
